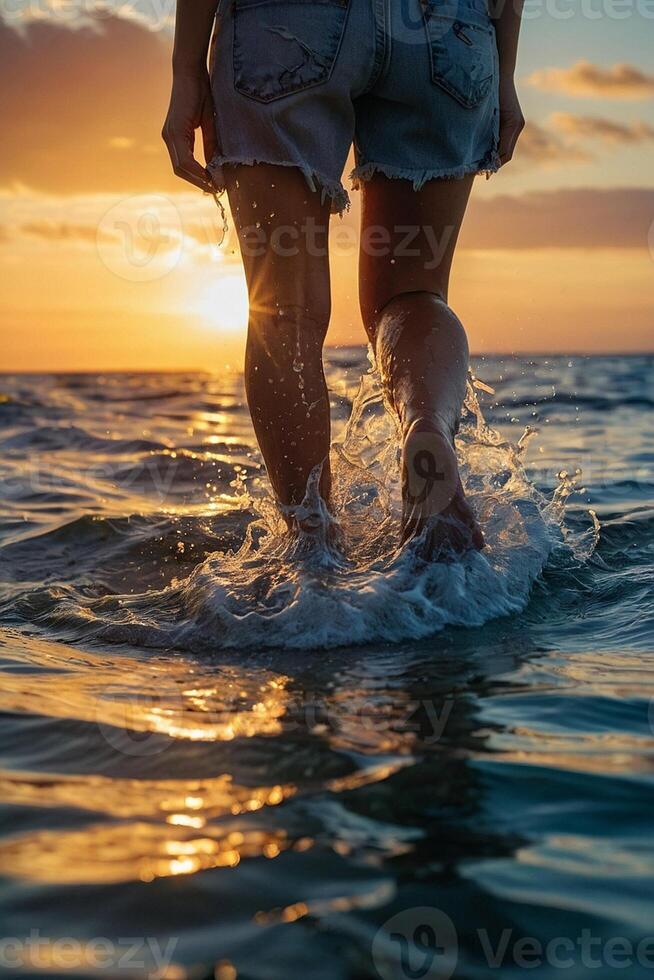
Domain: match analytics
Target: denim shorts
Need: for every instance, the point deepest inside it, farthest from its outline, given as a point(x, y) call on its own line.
point(412, 83)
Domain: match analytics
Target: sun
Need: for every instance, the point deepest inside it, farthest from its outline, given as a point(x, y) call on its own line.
point(223, 303)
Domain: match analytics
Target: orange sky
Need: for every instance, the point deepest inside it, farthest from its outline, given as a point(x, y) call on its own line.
point(107, 261)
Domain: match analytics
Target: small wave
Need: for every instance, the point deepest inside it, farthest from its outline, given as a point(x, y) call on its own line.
point(593, 403)
point(135, 552)
point(51, 437)
point(179, 472)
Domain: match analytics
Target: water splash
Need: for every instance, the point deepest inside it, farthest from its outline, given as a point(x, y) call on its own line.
point(341, 578)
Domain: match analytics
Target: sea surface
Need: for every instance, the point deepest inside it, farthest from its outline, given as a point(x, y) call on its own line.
point(224, 755)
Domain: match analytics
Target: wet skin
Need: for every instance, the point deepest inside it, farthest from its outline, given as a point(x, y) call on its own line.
point(420, 344)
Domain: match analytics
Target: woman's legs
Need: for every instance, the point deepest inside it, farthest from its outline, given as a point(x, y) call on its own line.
point(283, 229)
point(420, 344)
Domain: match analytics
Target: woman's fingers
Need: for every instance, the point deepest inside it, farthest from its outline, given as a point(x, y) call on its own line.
point(184, 163)
point(507, 146)
point(509, 133)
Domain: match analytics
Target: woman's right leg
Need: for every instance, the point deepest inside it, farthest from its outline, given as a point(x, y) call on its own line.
point(420, 345)
point(283, 230)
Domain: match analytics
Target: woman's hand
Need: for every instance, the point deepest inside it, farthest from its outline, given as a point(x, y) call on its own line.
point(512, 122)
point(191, 108)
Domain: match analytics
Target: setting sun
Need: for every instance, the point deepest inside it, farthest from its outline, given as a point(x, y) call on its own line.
point(223, 303)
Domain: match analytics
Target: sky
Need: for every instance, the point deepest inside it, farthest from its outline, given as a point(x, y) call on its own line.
point(109, 262)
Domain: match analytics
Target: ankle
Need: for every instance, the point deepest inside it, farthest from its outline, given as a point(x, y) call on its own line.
point(427, 422)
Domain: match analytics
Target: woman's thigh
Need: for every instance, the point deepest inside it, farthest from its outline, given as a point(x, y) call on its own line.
point(408, 239)
point(283, 230)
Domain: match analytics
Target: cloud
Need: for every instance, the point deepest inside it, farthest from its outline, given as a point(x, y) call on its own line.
point(537, 145)
point(606, 130)
point(575, 218)
point(121, 143)
point(558, 143)
point(51, 231)
point(67, 94)
point(203, 234)
point(59, 223)
point(620, 81)
point(155, 14)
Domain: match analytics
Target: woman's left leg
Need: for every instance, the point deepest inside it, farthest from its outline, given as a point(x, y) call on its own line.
point(283, 230)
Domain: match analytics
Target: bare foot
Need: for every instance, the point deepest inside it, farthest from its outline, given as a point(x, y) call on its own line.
point(311, 525)
point(433, 495)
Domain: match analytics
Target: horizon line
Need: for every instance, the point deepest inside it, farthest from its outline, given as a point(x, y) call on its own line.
point(332, 347)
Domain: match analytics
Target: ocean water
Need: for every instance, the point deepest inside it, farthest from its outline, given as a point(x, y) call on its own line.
point(226, 756)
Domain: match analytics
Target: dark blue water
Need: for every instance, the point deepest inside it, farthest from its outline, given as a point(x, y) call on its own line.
point(224, 758)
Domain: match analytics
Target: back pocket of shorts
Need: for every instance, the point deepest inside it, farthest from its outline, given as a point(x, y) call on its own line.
point(284, 46)
point(462, 49)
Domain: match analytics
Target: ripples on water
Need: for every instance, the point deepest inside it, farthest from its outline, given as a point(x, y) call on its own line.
point(256, 758)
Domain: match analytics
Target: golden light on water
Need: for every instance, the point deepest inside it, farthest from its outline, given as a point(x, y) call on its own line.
point(161, 827)
point(142, 829)
point(102, 853)
point(184, 820)
point(167, 828)
point(170, 700)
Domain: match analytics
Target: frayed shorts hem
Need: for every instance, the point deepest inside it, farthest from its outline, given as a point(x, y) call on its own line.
point(332, 190)
point(489, 165)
